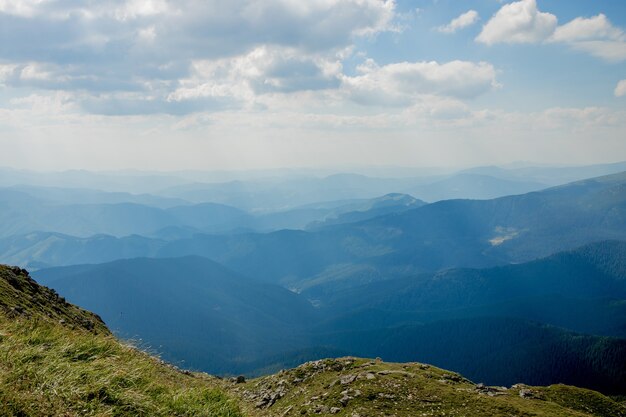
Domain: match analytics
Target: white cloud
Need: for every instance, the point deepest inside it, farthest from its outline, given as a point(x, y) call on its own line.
point(587, 29)
point(153, 47)
point(147, 34)
point(518, 22)
point(620, 89)
point(25, 8)
point(400, 83)
point(464, 20)
point(134, 9)
point(612, 51)
point(7, 71)
point(595, 36)
point(263, 70)
point(522, 22)
point(35, 72)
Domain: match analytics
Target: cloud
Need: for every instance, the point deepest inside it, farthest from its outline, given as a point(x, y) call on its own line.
point(522, 22)
point(464, 20)
point(587, 29)
point(399, 84)
point(620, 89)
point(262, 70)
point(24, 8)
point(190, 29)
point(114, 47)
point(611, 51)
point(595, 36)
point(7, 73)
point(518, 22)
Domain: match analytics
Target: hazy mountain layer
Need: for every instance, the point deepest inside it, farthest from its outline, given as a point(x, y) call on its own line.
point(517, 322)
point(191, 310)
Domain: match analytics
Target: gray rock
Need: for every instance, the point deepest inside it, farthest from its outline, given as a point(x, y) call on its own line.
point(347, 379)
point(526, 393)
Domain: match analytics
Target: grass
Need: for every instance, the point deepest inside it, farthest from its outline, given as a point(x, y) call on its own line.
point(48, 369)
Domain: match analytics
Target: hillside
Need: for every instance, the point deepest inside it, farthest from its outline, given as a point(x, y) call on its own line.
point(528, 321)
point(371, 388)
point(596, 271)
point(497, 351)
point(52, 366)
point(543, 322)
point(59, 360)
point(22, 297)
point(190, 309)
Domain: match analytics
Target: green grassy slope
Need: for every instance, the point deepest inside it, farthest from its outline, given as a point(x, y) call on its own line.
point(22, 297)
point(361, 387)
point(59, 360)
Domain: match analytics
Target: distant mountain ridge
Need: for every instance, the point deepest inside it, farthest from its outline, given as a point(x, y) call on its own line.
point(451, 233)
point(84, 213)
point(596, 270)
point(189, 309)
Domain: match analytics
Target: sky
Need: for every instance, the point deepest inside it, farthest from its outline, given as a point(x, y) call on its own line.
point(238, 84)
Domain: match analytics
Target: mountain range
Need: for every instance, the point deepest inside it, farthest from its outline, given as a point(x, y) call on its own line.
point(507, 319)
point(530, 286)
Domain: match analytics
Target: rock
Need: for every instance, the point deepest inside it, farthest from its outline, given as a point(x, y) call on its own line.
point(490, 391)
point(525, 393)
point(347, 379)
point(321, 409)
point(261, 403)
point(240, 379)
point(394, 372)
point(453, 377)
point(334, 410)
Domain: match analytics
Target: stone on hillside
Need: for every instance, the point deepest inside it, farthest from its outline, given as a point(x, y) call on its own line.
point(347, 379)
point(525, 393)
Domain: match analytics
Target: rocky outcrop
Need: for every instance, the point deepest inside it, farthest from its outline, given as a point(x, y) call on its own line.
point(22, 296)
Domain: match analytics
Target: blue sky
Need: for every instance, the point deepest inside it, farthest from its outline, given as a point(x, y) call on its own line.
point(157, 84)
